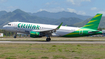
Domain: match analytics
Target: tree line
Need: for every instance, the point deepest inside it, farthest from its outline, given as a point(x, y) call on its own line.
point(6, 33)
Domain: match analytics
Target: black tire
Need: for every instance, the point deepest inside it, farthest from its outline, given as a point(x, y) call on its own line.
point(48, 39)
point(14, 36)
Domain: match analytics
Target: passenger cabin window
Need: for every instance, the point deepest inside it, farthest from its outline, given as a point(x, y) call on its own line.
point(9, 24)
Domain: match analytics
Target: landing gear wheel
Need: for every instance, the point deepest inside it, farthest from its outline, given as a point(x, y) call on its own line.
point(48, 39)
point(14, 36)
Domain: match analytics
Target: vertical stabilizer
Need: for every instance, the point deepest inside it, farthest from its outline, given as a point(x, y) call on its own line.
point(94, 22)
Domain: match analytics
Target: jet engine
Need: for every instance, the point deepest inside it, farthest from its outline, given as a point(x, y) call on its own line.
point(35, 34)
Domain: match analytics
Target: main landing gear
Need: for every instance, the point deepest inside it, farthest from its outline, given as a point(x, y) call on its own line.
point(48, 39)
point(14, 36)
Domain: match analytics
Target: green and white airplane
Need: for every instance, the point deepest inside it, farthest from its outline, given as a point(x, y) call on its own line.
point(40, 30)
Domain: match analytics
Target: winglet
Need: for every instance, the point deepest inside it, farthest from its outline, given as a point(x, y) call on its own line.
point(59, 26)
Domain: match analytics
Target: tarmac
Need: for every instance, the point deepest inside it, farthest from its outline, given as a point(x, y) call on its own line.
point(80, 40)
point(44, 42)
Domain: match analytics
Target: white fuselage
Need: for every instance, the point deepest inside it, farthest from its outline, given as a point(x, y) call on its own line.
point(24, 27)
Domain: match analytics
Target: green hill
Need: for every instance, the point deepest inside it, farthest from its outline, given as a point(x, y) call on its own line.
point(59, 15)
point(68, 21)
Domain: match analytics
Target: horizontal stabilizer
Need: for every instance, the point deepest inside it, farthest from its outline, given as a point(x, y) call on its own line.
point(93, 31)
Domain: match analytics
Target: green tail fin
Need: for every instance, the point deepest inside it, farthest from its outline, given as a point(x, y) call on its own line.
point(94, 22)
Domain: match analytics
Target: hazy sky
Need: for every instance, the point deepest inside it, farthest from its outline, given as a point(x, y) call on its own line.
point(82, 7)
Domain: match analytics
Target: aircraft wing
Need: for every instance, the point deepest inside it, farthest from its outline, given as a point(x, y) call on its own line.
point(48, 30)
point(43, 30)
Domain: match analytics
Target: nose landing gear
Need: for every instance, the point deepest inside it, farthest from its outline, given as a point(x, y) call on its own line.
point(15, 35)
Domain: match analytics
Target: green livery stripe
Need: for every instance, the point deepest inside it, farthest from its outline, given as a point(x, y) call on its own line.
point(81, 33)
point(94, 22)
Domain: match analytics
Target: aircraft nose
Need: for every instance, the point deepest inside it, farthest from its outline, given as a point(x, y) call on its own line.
point(4, 27)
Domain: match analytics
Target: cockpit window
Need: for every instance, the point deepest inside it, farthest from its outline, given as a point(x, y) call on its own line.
point(9, 24)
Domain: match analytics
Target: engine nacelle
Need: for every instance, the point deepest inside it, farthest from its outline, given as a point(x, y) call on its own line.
point(35, 34)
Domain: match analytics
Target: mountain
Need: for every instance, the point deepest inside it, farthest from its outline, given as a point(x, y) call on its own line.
point(101, 25)
point(2, 13)
point(68, 21)
point(19, 15)
point(59, 15)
